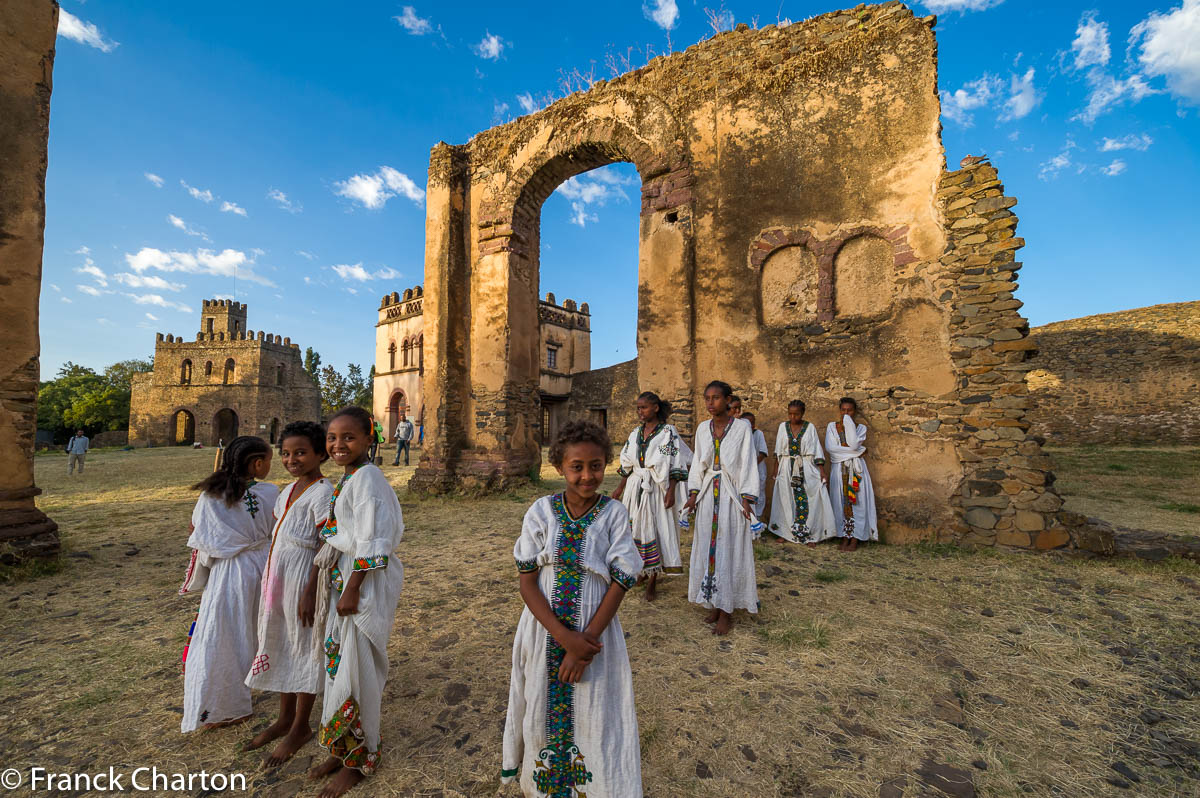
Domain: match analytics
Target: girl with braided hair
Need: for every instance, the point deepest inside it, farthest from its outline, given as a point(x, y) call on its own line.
point(230, 534)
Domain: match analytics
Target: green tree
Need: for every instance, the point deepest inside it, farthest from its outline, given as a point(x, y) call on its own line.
point(312, 364)
point(120, 374)
point(335, 392)
point(79, 398)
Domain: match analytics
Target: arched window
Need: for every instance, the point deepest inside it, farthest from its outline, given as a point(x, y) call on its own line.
point(208, 369)
point(420, 346)
point(228, 377)
point(407, 346)
point(185, 373)
point(392, 356)
point(278, 377)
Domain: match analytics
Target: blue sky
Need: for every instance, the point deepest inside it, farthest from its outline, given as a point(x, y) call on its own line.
point(277, 153)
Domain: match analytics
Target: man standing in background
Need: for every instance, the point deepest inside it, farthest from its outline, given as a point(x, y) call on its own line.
point(76, 450)
point(404, 433)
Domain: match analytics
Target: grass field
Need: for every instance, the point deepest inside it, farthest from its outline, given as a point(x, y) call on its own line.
point(1029, 675)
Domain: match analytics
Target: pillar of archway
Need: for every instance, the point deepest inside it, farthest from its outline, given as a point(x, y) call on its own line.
point(27, 31)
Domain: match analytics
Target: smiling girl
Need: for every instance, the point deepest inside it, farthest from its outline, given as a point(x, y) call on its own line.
point(571, 727)
point(362, 579)
point(287, 661)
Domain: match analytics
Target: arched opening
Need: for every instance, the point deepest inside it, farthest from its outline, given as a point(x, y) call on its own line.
point(397, 403)
point(224, 426)
point(279, 375)
point(274, 431)
point(182, 428)
point(420, 345)
point(227, 378)
point(392, 356)
point(185, 372)
point(208, 369)
point(407, 347)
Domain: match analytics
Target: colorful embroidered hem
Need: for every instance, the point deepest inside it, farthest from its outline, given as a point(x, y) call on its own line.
point(677, 475)
point(651, 555)
point(335, 578)
point(508, 774)
point(333, 656)
point(624, 473)
point(343, 737)
point(527, 566)
point(329, 529)
point(251, 504)
point(623, 579)
point(370, 563)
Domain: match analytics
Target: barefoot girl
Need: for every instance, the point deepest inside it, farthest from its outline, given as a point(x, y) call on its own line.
point(722, 486)
point(231, 530)
point(800, 510)
point(288, 661)
point(850, 489)
point(653, 462)
point(571, 727)
point(760, 452)
point(361, 578)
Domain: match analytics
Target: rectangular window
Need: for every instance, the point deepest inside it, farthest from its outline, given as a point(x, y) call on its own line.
point(551, 357)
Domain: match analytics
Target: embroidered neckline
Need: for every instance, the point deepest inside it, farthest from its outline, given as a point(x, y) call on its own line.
point(643, 443)
point(794, 440)
point(329, 528)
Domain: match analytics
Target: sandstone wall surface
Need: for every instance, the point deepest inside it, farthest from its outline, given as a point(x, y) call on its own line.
point(1126, 377)
point(27, 33)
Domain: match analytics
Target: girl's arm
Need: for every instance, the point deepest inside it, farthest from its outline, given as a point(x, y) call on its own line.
point(572, 668)
point(348, 603)
point(308, 598)
point(620, 490)
point(578, 644)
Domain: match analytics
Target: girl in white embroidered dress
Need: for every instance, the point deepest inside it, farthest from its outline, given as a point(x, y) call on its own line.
point(800, 509)
point(231, 530)
point(287, 661)
point(571, 728)
point(850, 490)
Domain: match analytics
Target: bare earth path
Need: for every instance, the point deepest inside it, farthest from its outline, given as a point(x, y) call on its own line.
point(892, 671)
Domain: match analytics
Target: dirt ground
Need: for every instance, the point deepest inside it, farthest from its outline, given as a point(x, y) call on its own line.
point(886, 672)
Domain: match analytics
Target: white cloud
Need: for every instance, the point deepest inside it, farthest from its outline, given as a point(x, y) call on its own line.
point(1170, 48)
point(282, 201)
point(973, 95)
point(490, 47)
point(203, 196)
point(1115, 168)
point(961, 6)
point(159, 301)
point(84, 250)
point(1051, 168)
point(1091, 42)
point(1134, 141)
point(87, 289)
point(155, 179)
point(1108, 92)
point(94, 271)
point(663, 13)
point(1022, 99)
point(307, 255)
point(415, 25)
point(499, 111)
point(594, 188)
point(64, 299)
point(55, 287)
point(356, 271)
point(580, 215)
point(104, 322)
point(373, 191)
point(152, 317)
point(77, 30)
point(527, 103)
point(147, 281)
point(226, 263)
point(232, 207)
point(185, 227)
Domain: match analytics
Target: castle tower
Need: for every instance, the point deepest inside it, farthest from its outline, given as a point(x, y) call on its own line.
point(222, 316)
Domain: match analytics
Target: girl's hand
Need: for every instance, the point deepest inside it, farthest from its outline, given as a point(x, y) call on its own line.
point(307, 607)
point(619, 492)
point(348, 603)
point(690, 505)
point(746, 510)
point(669, 499)
point(582, 646)
point(571, 669)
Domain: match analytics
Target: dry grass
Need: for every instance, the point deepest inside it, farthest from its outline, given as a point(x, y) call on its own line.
point(1156, 488)
point(1043, 663)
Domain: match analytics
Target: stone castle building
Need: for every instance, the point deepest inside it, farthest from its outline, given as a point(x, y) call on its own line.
point(227, 382)
point(564, 349)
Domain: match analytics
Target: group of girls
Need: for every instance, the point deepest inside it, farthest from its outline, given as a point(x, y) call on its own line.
point(269, 565)
point(571, 727)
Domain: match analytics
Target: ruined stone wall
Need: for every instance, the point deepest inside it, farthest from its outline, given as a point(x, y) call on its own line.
point(612, 390)
point(269, 388)
point(1127, 377)
point(27, 31)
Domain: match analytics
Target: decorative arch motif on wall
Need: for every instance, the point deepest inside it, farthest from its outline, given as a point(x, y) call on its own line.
point(185, 372)
point(391, 356)
point(227, 376)
point(826, 250)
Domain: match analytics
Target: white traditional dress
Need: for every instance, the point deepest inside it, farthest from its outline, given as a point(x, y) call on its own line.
point(649, 465)
point(800, 509)
point(364, 526)
point(288, 660)
point(722, 473)
point(232, 542)
point(760, 447)
point(850, 490)
point(570, 740)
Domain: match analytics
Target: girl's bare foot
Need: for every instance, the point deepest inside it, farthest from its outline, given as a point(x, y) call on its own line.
point(724, 624)
point(811, 545)
point(712, 616)
point(852, 545)
point(272, 732)
point(341, 783)
point(652, 587)
point(288, 746)
point(842, 546)
point(225, 723)
point(325, 768)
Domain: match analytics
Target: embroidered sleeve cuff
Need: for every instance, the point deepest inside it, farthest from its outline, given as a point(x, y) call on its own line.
point(819, 461)
point(694, 492)
point(527, 566)
point(624, 472)
point(750, 497)
point(370, 563)
point(678, 475)
point(621, 578)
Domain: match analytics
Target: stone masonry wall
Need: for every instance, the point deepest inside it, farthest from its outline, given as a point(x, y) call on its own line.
point(1127, 377)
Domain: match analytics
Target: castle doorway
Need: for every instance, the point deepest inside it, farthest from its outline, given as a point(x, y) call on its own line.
point(182, 429)
point(224, 427)
point(397, 403)
point(274, 431)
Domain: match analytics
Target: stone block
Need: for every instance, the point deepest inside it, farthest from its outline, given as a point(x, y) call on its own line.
point(1028, 521)
point(1013, 537)
point(980, 517)
point(1053, 538)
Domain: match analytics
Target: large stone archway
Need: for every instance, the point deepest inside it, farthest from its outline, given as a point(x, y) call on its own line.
point(800, 238)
